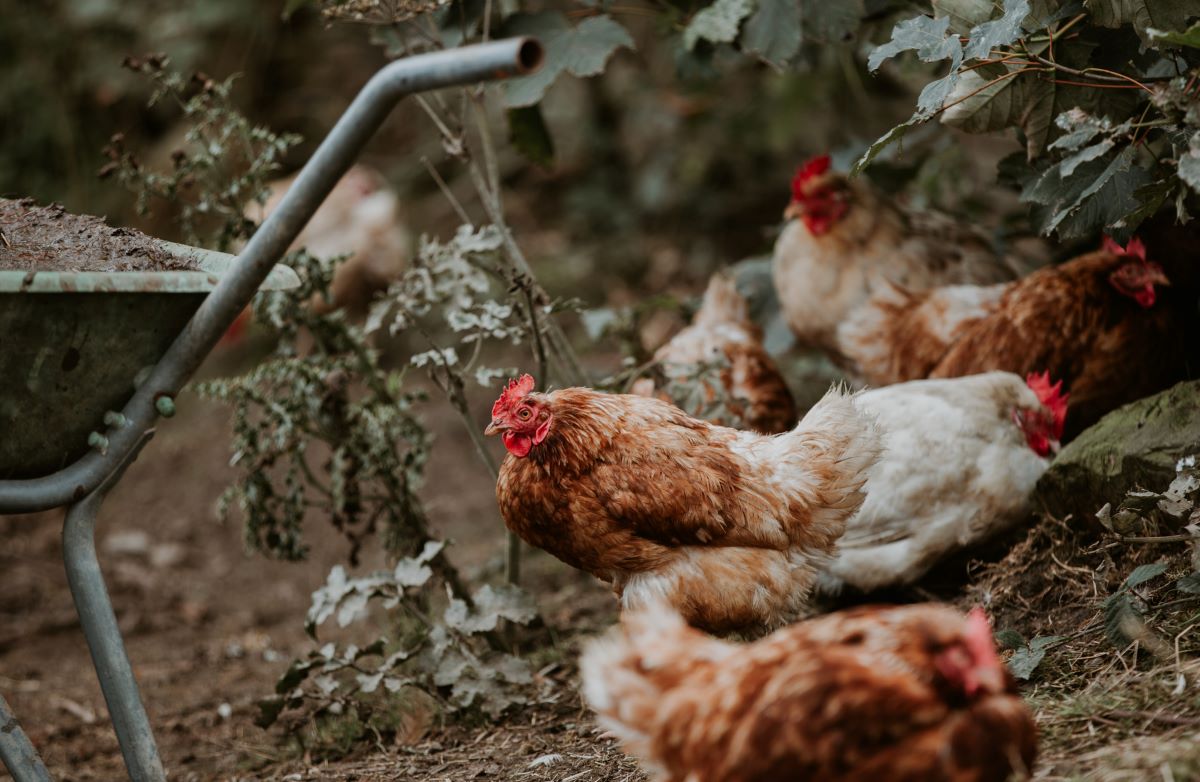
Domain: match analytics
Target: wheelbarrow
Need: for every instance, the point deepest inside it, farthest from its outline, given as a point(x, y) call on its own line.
point(149, 334)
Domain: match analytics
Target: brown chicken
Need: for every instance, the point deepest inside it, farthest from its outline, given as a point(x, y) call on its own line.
point(1100, 323)
point(907, 694)
point(730, 527)
point(844, 241)
point(747, 392)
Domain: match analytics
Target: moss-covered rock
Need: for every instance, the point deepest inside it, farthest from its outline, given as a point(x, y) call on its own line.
point(1135, 446)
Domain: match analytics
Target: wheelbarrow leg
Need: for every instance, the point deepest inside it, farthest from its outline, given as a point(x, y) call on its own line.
point(104, 640)
point(17, 754)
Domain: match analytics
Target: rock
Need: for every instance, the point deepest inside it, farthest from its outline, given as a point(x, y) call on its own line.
point(1134, 447)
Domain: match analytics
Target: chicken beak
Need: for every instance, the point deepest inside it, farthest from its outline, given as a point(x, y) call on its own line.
point(495, 427)
point(794, 210)
point(1158, 277)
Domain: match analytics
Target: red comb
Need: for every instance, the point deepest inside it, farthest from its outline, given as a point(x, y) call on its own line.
point(812, 168)
point(1051, 396)
point(1134, 249)
point(514, 391)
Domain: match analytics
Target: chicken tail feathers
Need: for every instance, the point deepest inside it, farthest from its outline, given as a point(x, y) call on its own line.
point(834, 447)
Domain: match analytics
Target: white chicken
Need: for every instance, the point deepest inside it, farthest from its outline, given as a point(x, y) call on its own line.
point(845, 241)
point(359, 218)
point(961, 458)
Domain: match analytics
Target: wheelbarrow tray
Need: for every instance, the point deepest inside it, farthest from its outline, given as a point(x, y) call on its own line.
point(72, 345)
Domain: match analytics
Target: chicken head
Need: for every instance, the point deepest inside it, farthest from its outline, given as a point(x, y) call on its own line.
point(521, 421)
point(818, 197)
point(1137, 278)
point(1043, 428)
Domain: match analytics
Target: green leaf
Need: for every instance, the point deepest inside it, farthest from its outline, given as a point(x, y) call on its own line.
point(1189, 37)
point(964, 14)
point(1026, 659)
point(1189, 164)
point(1122, 619)
point(1149, 198)
point(1010, 639)
point(1189, 584)
point(885, 141)
point(773, 32)
point(997, 32)
point(1143, 573)
point(996, 100)
point(924, 34)
point(528, 133)
point(1095, 195)
point(717, 23)
point(581, 51)
point(935, 93)
point(1074, 161)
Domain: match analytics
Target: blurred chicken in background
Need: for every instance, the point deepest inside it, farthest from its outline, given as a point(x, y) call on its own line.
point(361, 219)
point(844, 241)
point(742, 388)
point(1108, 324)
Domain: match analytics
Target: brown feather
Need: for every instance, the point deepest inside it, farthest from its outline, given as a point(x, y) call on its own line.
point(848, 697)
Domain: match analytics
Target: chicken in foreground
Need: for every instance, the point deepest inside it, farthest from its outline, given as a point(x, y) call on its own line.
point(962, 456)
point(730, 527)
point(906, 694)
point(748, 391)
point(1099, 323)
point(844, 241)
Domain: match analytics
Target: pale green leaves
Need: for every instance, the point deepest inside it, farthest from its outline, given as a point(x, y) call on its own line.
point(997, 32)
point(1189, 163)
point(581, 51)
point(773, 30)
point(933, 41)
point(718, 23)
point(1028, 656)
point(1189, 37)
point(927, 36)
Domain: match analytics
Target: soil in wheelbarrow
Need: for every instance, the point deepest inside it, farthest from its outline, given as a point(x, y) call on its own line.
point(50, 239)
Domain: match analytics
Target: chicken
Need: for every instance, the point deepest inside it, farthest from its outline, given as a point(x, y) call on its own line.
point(961, 458)
point(731, 527)
point(747, 390)
point(1098, 323)
point(906, 694)
point(844, 241)
point(361, 218)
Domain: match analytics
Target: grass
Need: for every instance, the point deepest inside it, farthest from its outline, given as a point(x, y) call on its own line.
point(1107, 712)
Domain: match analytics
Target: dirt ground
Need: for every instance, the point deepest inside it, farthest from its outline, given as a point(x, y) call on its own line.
point(209, 628)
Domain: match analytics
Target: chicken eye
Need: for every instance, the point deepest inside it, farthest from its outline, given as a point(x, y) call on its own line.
point(524, 413)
